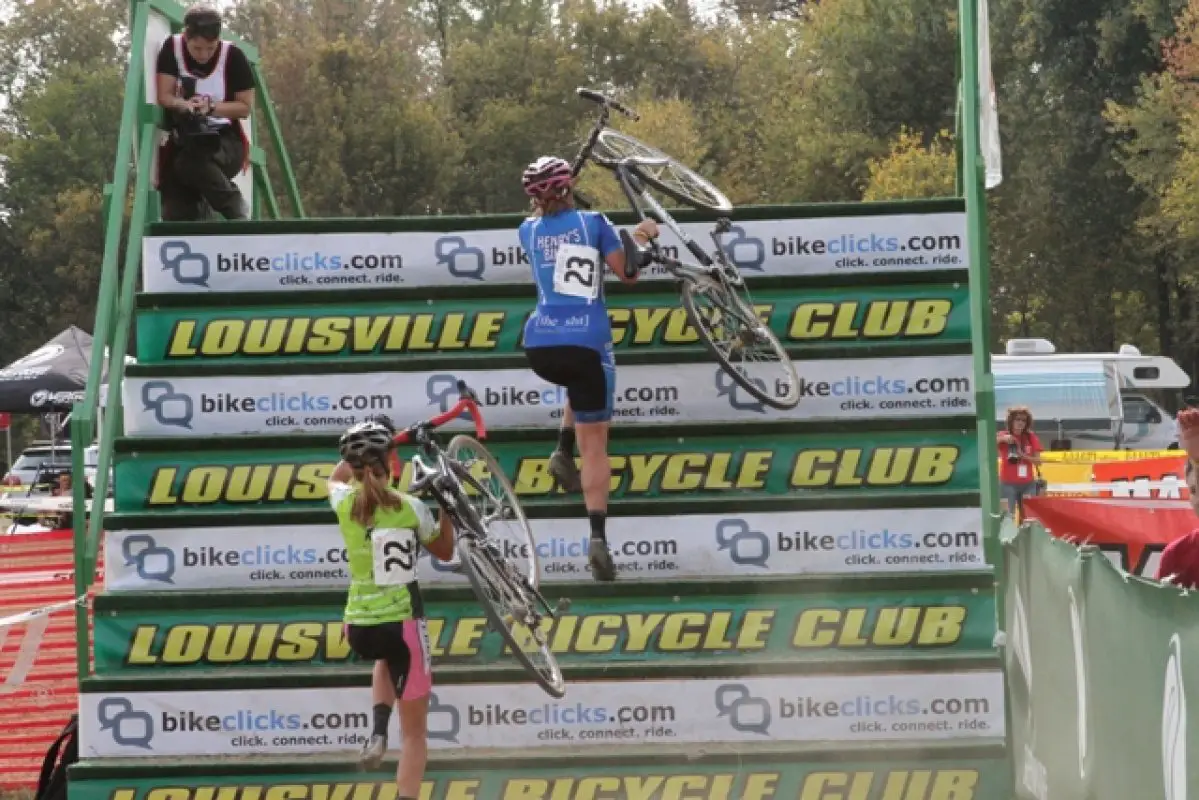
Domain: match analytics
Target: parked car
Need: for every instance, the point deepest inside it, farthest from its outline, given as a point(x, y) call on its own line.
point(41, 458)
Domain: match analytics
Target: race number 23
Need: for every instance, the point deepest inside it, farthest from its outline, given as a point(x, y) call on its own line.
point(394, 551)
point(577, 271)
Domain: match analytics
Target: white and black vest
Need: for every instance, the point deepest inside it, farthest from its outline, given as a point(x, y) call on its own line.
point(213, 85)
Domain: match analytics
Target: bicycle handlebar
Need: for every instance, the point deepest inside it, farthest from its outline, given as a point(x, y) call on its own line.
point(468, 401)
point(604, 100)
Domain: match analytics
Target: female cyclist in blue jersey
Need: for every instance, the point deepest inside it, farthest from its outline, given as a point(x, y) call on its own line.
point(384, 617)
point(568, 338)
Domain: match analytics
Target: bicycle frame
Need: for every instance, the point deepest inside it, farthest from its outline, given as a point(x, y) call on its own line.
point(441, 479)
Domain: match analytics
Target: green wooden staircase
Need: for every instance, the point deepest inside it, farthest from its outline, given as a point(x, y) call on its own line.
point(806, 605)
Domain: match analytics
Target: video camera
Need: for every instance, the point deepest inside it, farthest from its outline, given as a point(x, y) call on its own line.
point(195, 130)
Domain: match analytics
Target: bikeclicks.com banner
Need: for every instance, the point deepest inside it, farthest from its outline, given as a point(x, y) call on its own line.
point(785, 621)
point(300, 262)
point(646, 394)
point(845, 317)
point(948, 706)
point(761, 464)
point(778, 544)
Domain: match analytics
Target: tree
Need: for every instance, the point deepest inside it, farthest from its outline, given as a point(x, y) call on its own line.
point(912, 169)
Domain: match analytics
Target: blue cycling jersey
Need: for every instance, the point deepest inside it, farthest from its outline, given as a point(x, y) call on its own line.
point(566, 251)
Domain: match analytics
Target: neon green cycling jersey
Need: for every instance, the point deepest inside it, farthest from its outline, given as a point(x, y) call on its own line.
point(367, 602)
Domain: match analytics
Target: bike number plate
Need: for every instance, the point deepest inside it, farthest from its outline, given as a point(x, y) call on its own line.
point(577, 271)
point(394, 551)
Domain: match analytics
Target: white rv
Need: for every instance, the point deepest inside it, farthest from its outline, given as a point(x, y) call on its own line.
point(1090, 401)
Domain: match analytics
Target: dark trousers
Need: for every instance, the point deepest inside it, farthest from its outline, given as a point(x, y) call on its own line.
point(196, 179)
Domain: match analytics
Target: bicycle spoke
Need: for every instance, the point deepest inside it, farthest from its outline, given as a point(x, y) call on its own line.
point(494, 500)
point(513, 607)
point(746, 347)
point(661, 171)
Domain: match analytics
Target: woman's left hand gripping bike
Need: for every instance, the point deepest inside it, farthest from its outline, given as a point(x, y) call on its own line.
point(469, 485)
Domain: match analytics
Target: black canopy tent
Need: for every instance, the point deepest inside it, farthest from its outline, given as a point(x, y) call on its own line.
point(51, 378)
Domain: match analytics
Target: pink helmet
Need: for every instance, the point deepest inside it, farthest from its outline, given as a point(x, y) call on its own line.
point(547, 172)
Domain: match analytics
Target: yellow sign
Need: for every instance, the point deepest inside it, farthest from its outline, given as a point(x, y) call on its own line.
point(209, 484)
point(926, 784)
point(332, 334)
point(791, 782)
point(616, 633)
point(718, 468)
point(892, 626)
point(1101, 456)
point(877, 319)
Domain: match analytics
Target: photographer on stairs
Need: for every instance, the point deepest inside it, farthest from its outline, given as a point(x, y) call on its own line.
point(206, 88)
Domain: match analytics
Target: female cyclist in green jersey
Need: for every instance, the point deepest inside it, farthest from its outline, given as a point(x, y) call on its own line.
point(383, 530)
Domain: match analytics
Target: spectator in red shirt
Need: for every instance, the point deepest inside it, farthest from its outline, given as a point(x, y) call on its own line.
point(1179, 564)
point(1019, 456)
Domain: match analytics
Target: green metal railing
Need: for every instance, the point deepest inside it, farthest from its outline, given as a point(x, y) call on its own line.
point(114, 306)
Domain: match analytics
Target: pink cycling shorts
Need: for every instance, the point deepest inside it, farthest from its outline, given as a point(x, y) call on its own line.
point(405, 648)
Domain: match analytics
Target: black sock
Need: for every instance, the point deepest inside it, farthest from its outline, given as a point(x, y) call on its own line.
point(382, 717)
point(598, 518)
point(566, 441)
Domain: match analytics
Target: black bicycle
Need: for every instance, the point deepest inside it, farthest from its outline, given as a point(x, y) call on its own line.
point(713, 292)
point(456, 478)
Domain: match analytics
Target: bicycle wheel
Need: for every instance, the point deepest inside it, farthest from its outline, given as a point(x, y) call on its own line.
point(746, 348)
point(511, 610)
point(680, 182)
point(495, 501)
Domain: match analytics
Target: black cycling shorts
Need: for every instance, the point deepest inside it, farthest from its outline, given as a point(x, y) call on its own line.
point(405, 648)
point(588, 376)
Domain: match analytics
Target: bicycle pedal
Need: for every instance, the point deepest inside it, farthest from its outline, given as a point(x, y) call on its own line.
point(562, 605)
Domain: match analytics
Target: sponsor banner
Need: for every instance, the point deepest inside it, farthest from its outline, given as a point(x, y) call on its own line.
point(748, 465)
point(1132, 533)
point(957, 706)
point(645, 394)
point(1103, 456)
point(776, 778)
point(300, 262)
point(845, 317)
point(778, 622)
point(1162, 477)
point(777, 544)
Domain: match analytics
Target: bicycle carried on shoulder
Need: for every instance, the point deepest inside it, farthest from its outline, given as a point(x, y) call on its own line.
point(509, 594)
point(712, 290)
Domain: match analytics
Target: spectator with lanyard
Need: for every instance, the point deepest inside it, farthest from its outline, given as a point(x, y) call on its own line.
point(384, 615)
point(1019, 456)
point(568, 339)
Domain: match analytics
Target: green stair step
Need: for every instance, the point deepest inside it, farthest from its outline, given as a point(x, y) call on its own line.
point(788, 428)
point(475, 222)
point(282, 365)
point(565, 508)
point(747, 666)
point(617, 291)
point(965, 581)
point(599, 755)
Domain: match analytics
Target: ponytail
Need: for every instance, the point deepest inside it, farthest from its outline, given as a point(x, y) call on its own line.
point(373, 494)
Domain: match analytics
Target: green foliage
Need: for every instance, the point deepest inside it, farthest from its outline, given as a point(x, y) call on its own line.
point(912, 169)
